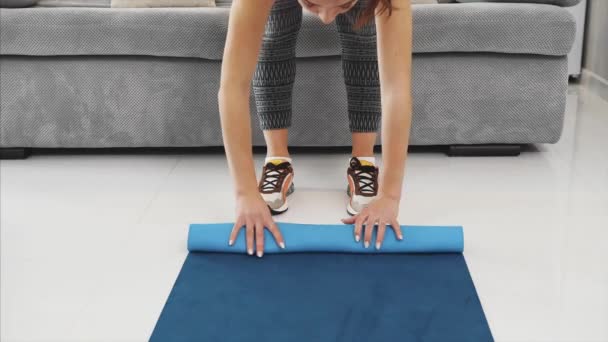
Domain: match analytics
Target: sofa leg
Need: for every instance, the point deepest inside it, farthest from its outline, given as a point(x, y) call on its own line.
point(497, 150)
point(14, 152)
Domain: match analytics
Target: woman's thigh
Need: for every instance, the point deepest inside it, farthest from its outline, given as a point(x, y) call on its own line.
point(276, 68)
point(360, 68)
point(281, 31)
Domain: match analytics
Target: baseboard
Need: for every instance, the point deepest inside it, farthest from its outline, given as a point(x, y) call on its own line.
point(14, 152)
point(484, 150)
point(595, 83)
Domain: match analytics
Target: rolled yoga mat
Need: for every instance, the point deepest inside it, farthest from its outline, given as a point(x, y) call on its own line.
point(309, 238)
point(324, 287)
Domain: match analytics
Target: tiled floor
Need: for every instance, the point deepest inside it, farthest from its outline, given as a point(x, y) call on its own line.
point(91, 244)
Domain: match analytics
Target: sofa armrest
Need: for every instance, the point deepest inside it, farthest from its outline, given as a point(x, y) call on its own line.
point(561, 3)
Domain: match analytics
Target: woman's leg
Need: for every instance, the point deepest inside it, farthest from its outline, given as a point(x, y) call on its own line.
point(360, 67)
point(275, 74)
point(272, 85)
point(363, 144)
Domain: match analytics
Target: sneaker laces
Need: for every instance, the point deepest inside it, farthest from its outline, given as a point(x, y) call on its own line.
point(272, 176)
point(366, 177)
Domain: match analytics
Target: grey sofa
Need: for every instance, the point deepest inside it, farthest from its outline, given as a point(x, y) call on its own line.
point(485, 74)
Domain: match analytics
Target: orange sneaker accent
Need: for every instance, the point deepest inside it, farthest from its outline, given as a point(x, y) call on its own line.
point(286, 186)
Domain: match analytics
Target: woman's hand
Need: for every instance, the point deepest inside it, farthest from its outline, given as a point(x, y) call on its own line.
point(381, 211)
point(253, 214)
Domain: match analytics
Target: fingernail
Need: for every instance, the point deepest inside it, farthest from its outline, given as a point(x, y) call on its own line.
point(366, 244)
point(250, 251)
point(260, 253)
point(400, 237)
point(357, 238)
point(230, 243)
point(378, 244)
point(282, 244)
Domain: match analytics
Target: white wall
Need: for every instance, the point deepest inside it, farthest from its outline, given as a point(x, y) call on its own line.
point(596, 42)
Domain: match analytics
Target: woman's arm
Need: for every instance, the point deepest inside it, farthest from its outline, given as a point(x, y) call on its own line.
point(394, 36)
point(394, 41)
point(245, 31)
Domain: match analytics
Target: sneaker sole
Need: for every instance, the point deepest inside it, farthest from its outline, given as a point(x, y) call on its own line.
point(349, 209)
point(285, 205)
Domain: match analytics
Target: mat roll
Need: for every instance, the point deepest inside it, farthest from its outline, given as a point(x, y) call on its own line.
point(301, 238)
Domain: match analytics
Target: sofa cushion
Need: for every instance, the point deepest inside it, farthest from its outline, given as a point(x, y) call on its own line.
point(227, 3)
point(74, 3)
point(201, 32)
point(161, 3)
point(563, 3)
point(501, 28)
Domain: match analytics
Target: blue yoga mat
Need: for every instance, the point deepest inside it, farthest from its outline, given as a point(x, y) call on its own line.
point(324, 287)
point(327, 238)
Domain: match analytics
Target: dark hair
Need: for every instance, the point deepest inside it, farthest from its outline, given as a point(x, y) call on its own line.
point(370, 11)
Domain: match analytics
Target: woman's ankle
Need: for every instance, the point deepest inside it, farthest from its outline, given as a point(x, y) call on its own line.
point(276, 142)
point(363, 144)
point(278, 154)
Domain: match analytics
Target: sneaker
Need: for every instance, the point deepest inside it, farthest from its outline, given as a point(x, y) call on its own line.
point(362, 188)
point(276, 184)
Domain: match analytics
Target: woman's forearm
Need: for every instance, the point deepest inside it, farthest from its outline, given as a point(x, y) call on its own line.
point(245, 31)
point(396, 123)
point(395, 66)
point(236, 129)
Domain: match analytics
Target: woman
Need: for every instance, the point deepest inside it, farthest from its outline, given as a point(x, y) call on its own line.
point(376, 37)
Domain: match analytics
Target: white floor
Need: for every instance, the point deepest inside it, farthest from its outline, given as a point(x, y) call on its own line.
point(91, 244)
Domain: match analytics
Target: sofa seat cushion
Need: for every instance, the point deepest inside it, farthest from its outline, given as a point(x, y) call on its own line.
point(200, 32)
point(73, 3)
point(563, 3)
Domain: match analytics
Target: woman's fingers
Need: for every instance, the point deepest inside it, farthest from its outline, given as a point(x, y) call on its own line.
point(259, 239)
point(357, 220)
point(349, 220)
point(380, 237)
point(235, 232)
point(369, 229)
point(358, 226)
point(249, 234)
point(397, 229)
point(276, 233)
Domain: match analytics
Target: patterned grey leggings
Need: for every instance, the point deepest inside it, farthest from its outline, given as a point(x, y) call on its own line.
point(276, 69)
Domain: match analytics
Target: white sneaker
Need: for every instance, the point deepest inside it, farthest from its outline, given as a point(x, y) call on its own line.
point(276, 184)
point(362, 175)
